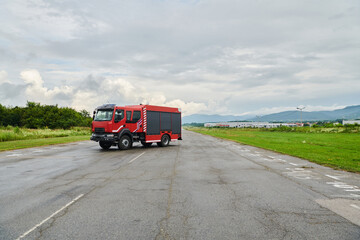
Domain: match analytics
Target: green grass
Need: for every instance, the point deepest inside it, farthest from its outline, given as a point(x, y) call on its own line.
point(336, 150)
point(15, 138)
point(10, 145)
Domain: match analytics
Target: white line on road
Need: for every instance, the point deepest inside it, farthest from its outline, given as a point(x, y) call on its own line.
point(38, 151)
point(15, 155)
point(52, 215)
point(355, 206)
point(136, 158)
point(333, 177)
point(294, 164)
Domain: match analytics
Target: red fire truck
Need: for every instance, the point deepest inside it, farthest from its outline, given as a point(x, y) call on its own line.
point(122, 126)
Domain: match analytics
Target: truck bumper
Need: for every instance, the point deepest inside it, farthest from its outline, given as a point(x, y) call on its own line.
point(107, 137)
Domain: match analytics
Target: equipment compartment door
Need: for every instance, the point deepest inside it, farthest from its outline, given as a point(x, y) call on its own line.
point(153, 123)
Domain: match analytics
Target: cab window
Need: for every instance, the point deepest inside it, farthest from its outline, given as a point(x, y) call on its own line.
point(137, 116)
point(104, 115)
point(119, 115)
point(128, 115)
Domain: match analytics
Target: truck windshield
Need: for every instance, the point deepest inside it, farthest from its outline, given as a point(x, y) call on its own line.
point(104, 115)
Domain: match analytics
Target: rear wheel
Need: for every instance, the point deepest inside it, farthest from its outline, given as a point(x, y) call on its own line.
point(125, 143)
point(145, 144)
point(105, 145)
point(165, 140)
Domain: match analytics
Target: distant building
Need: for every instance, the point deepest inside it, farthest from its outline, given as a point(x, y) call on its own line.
point(351, 122)
point(249, 124)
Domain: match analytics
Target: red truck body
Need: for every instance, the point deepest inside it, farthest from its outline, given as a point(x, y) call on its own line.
point(122, 126)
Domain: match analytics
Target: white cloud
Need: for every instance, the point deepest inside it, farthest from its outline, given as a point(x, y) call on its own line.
point(44, 20)
point(140, 94)
point(317, 73)
point(4, 77)
point(35, 91)
point(87, 100)
point(109, 88)
point(223, 57)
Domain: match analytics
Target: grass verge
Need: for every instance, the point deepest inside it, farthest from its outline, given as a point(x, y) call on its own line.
point(15, 133)
point(336, 150)
point(11, 145)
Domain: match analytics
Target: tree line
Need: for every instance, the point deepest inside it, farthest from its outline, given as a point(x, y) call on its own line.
point(35, 115)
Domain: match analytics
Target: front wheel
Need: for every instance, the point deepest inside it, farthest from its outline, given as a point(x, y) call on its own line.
point(105, 145)
point(165, 140)
point(125, 143)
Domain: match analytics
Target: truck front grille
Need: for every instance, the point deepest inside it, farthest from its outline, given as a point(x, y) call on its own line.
point(99, 130)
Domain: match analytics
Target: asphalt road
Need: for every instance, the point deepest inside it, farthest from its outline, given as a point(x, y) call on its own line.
point(198, 188)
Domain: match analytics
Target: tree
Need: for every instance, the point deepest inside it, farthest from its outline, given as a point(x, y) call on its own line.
point(35, 115)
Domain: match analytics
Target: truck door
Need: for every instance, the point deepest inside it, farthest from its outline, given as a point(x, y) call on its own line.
point(119, 120)
point(132, 120)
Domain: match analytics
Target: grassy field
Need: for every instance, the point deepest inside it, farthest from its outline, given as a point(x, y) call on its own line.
point(15, 138)
point(336, 150)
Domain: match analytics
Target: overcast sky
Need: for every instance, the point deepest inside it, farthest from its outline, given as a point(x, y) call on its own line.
point(212, 57)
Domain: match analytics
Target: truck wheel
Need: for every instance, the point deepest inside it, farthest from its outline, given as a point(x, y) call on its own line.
point(145, 144)
point(165, 140)
point(125, 143)
point(105, 145)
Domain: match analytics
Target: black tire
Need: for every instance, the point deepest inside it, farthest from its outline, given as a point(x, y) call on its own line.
point(125, 143)
point(145, 144)
point(165, 140)
point(105, 145)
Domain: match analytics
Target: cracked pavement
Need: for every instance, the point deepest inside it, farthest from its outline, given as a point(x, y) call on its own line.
point(198, 188)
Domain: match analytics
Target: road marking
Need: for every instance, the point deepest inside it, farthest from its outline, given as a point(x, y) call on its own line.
point(52, 215)
point(355, 206)
point(38, 151)
point(333, 177)
point(14, 155)
point(136, 157)
point(301, 173)
point(294, 164)
point(346, 187)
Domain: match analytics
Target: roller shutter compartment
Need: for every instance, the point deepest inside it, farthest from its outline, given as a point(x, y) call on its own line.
point(176, 123)
point(153, 123)
point(165, 121)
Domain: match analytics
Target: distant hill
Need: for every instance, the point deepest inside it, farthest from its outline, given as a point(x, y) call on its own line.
point(351, 112)
point(203, 118)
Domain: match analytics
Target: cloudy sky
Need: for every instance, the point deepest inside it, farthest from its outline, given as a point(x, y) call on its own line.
point(205, 56)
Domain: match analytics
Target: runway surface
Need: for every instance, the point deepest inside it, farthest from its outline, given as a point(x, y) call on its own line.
point(198, 188)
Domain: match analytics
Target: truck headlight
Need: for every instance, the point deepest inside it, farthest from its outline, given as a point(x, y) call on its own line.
point(109, 135)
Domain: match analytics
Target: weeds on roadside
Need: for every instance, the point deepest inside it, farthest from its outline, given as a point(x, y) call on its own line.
point(9, 133)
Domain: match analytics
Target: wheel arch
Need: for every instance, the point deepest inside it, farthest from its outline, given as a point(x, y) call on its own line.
point(126, 132)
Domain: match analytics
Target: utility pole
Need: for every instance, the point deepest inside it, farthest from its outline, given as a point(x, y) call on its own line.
point(301, 108)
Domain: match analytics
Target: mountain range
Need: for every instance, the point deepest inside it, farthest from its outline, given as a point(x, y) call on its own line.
point(350, 112)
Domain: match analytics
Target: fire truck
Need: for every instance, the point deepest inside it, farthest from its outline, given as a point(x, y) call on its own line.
point(122, 126)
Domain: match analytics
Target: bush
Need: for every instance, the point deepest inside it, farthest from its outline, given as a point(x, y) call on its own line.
point(37, 116)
